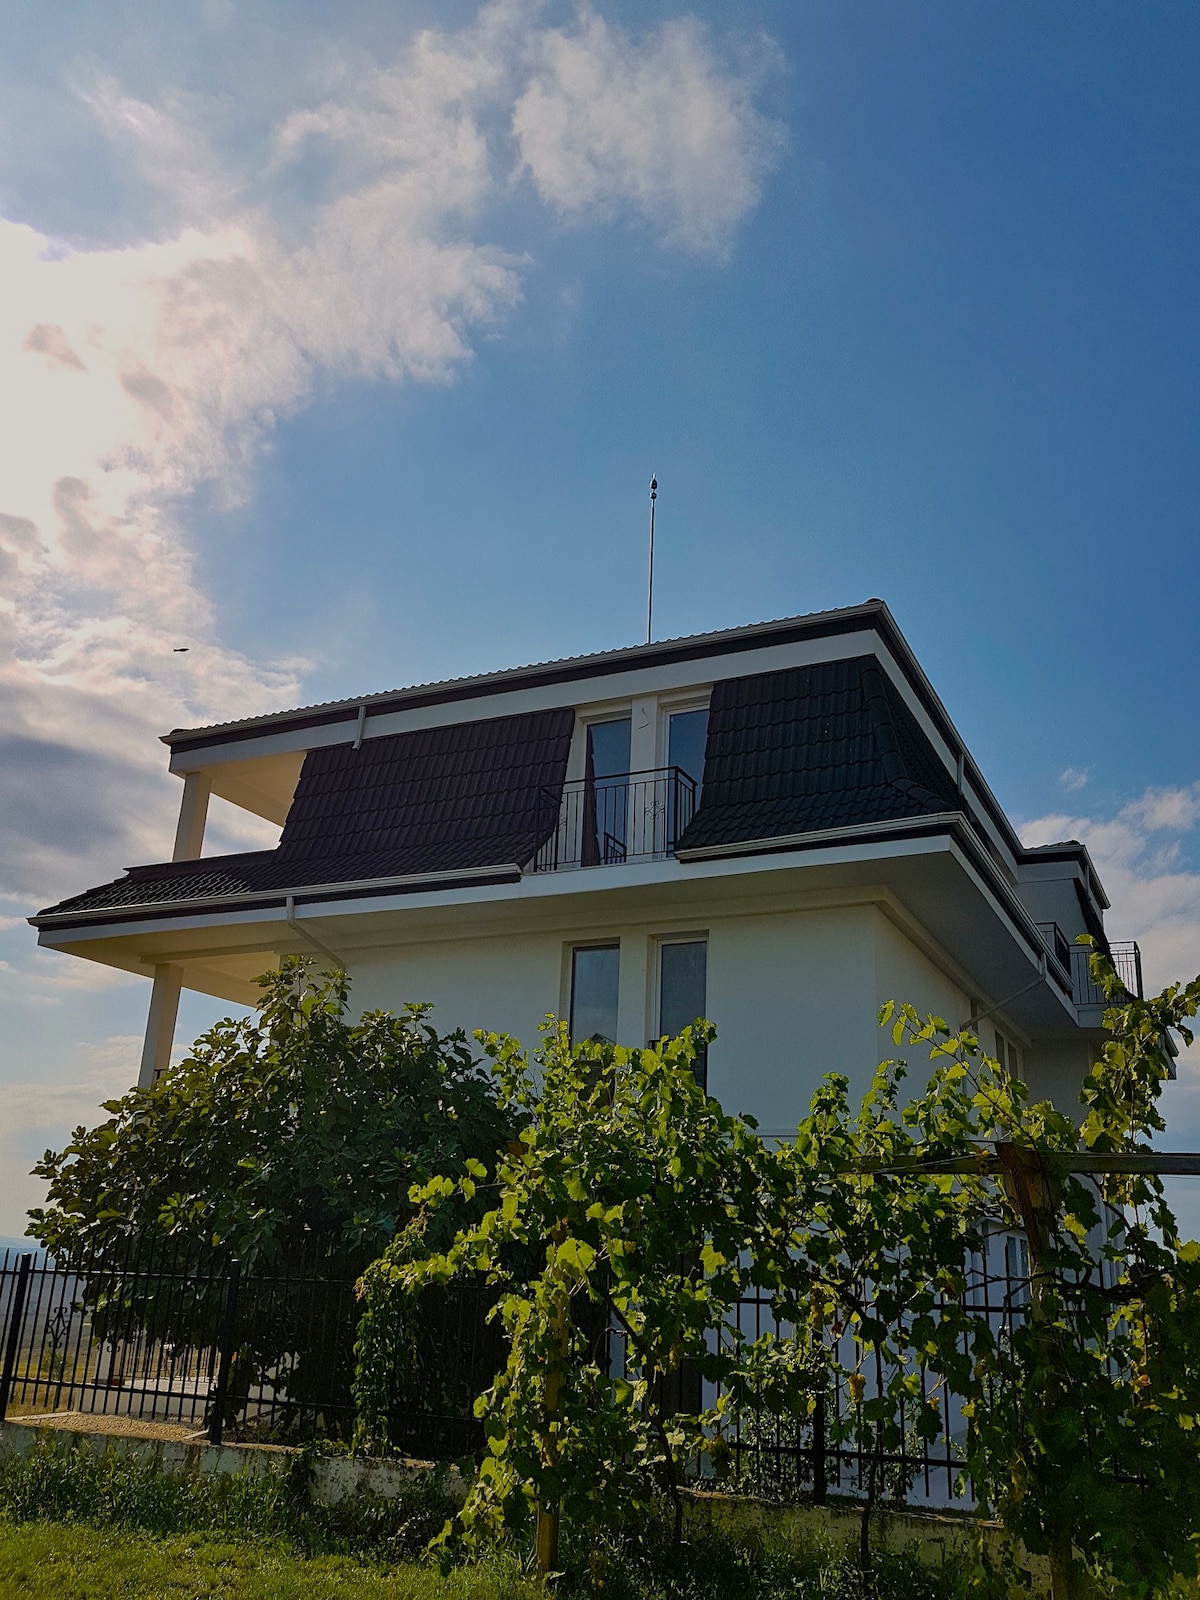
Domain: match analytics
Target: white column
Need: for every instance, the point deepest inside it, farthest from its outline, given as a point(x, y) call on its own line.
point(633, 985)
point(193, 813)
point(168, 979)
point(160, 1024)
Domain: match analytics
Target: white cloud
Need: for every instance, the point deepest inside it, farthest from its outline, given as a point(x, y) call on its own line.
point(107, 1070)
point(130, 376)
point(607, 119)
point(41, 1114)
point(1074, 778)
point(132, 373)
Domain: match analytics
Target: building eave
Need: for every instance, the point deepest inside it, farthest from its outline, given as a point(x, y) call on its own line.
point(686, 648)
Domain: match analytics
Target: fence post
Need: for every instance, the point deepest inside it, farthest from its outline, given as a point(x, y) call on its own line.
point(819, 1447)
point(225, 1341)
point(16, 1312)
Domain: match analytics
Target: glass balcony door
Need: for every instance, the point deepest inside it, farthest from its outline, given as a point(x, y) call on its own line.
point(606, 794)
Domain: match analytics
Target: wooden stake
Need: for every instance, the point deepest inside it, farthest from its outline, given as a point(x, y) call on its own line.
point(546, 1535)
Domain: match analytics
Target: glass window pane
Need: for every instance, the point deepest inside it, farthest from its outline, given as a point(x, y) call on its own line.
point(608, 799)
point(683, 972)
point(594, 976)
point(686, 736)
point(608, 747)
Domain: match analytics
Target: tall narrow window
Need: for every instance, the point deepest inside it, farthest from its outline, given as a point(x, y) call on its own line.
point(608, 748)
point(595, 970)
point(682, 990)
point(606, 799)
point(1016, 1269)
point(687, 734)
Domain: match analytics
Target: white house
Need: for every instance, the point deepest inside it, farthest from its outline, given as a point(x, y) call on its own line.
point(776, 826)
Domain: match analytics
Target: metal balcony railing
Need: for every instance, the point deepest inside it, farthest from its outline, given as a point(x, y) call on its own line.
point(1057, 943)
point(635, 816)
point(1076, 958)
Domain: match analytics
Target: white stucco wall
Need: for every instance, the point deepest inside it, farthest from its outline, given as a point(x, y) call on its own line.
point(904, 973)
point(793, 994)
point(506, 984)
point(1055, 1071)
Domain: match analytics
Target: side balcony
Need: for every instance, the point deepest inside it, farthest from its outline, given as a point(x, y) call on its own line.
point(1076, 959)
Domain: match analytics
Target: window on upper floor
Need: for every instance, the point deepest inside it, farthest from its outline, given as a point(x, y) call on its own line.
point(595, 972)
point(608, 748)
point(687, 733)
point(606, 802)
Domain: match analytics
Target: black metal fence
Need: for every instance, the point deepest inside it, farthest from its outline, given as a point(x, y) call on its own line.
point(158, 1335)
point(636, 816)
point(233, 1354)
point(1076, 959)
point(780, 1456)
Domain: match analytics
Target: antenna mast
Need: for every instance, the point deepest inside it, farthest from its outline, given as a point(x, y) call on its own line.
point(650, 585)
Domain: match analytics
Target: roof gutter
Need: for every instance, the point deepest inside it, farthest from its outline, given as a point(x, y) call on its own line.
point(950, 822)
point(275, 897)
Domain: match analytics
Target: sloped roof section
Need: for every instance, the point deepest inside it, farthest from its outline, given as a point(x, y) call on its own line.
point(434, 799)
point(826, 746)
point(437, 800)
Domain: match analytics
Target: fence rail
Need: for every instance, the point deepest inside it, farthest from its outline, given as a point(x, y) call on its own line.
point(1127, 964)
point(781, 1456)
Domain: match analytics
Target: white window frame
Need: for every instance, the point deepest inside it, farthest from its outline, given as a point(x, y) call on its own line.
point(609, 711)
point(658, 940)
point(670, 705)
point(600, 942)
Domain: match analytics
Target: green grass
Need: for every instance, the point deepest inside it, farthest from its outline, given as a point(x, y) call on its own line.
point(50, 1561)
point(79, 1526)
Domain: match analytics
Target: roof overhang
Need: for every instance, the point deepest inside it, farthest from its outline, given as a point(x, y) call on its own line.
point(930, 873)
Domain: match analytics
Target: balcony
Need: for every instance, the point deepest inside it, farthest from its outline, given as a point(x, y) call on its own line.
point(1076, 959)
point(633, 816)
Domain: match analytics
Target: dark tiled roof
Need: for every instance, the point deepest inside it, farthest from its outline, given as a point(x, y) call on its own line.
point(826, 746)
point(688, 647)
point(477, 794)
point(209, 878)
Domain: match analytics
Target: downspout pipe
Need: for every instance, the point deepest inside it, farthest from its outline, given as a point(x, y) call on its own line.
point(306, 933)
point(978, 1016)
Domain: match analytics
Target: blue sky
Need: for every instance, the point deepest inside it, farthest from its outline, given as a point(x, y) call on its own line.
point(339, 343)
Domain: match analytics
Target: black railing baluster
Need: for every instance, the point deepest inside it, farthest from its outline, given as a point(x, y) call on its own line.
point(635, 816)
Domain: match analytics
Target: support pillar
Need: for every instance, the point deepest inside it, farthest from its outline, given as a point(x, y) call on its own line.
point(160, 1024)
point(168, 979)
point(193, 813)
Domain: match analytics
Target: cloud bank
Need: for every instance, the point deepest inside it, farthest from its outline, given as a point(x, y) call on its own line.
point(355, 244)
